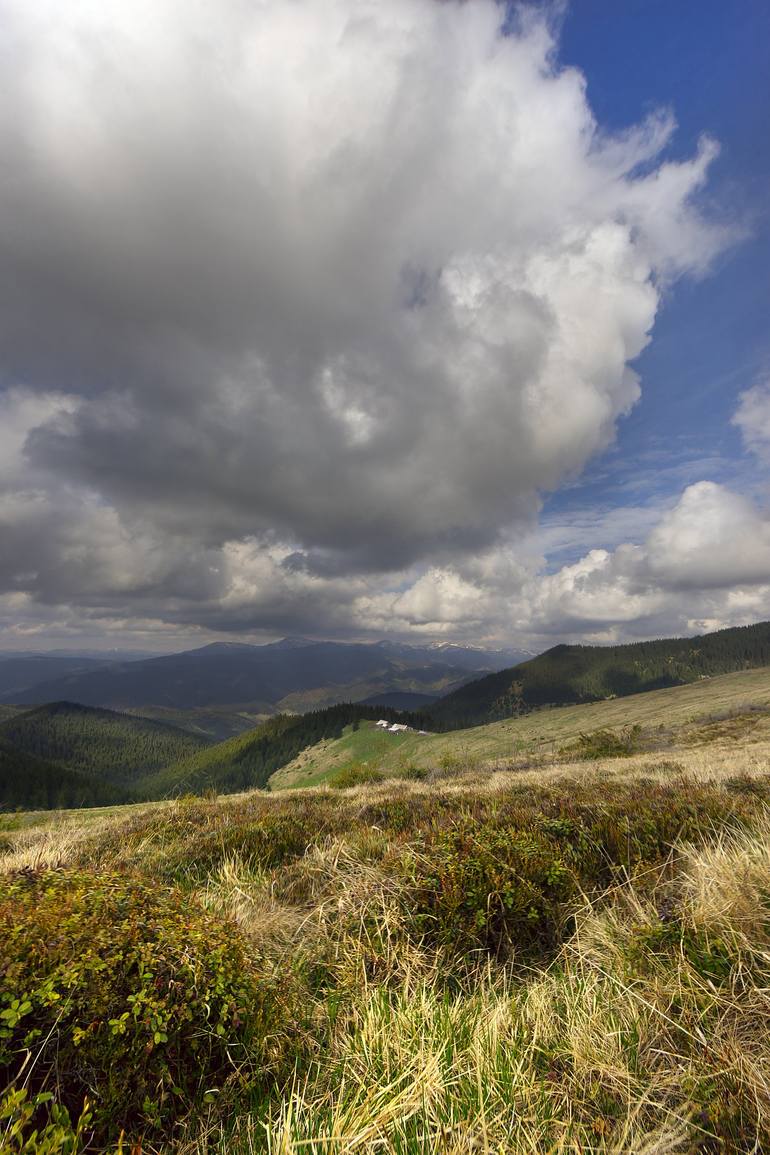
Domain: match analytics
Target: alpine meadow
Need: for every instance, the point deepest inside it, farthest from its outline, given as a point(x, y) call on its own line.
point(384, 577)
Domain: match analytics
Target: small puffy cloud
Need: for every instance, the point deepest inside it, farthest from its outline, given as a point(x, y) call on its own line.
point(753, 419)
point(713, 538)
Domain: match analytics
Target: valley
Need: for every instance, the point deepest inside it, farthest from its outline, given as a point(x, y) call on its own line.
point(119, 756)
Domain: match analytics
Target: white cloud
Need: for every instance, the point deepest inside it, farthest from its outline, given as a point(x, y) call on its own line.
point(707, 560)
point(753, 419)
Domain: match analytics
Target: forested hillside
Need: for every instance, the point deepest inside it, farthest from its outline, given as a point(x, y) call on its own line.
point(65, 755)
point(115, 747)
point(32, 784)
point(567, 674)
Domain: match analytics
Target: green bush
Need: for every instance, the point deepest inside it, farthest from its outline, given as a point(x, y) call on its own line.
point(189, 840)
point(604, 744)
point(412, 773)
point(23, 1132)
point(493, 888)
point(505, 873)
point(356, 775)
point(130, 995)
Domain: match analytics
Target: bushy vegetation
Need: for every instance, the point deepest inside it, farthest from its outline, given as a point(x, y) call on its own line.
point(503, 875)
point(645, 1035)
point(124, 999)
point(568, 674)
point(414, 965)
point(356, 774)
point(604, 743)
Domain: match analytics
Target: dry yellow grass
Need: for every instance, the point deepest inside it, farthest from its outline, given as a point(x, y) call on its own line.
point(626, 1044)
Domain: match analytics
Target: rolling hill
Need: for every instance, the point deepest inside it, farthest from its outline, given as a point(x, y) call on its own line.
point(568, 674)
point(293, 675)
point(114, 747)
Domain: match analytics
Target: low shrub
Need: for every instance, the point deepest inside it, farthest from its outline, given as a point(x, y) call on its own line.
point(128, 994)
point(359, 774)
point(496, 888)
point(604, 743)
point(505, 874)
point(452, 763)
point(187, 842)
point(749, 785)
point(412, 773)
point(23, 1132)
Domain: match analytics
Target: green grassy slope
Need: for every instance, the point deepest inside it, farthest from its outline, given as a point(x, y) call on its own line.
point(31, 783)
point(568, 674)
point(116, 747)
point(248, 760)
point(695, 712)
point(364, 744)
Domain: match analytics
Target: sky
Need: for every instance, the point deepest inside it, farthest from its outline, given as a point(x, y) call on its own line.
point(424, 320)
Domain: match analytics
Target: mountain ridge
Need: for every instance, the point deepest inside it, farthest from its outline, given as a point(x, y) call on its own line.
point(294, 674)
point(568, 674)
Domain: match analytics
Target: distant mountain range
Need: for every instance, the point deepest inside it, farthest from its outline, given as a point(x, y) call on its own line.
point(295, 675)
point(19, 673)
point(100, 655)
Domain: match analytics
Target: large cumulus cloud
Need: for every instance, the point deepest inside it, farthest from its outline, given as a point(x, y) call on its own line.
point(302, 305)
